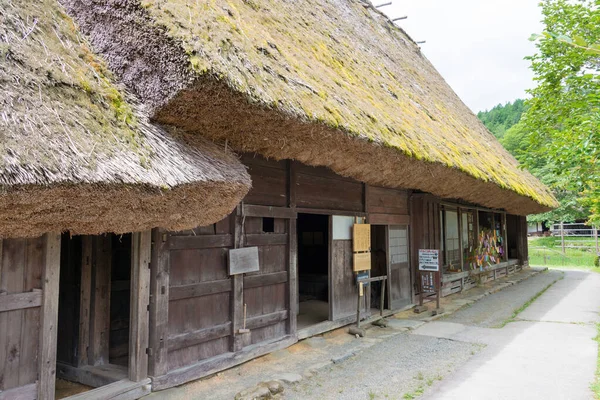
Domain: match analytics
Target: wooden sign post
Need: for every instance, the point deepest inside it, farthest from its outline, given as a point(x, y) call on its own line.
point(430, 278)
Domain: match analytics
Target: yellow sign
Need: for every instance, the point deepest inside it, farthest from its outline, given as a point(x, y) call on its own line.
point(361, 237)
point(362, 262)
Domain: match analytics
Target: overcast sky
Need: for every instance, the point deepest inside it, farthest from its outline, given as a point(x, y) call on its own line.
point(477, 45)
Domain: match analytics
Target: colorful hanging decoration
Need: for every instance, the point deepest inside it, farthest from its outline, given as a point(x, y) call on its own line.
point(490, 250)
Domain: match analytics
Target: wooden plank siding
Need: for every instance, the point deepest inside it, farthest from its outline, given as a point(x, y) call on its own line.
point(200, 295)
point(22, 266)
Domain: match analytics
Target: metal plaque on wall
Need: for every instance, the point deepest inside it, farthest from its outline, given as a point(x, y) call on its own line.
point(243, 260)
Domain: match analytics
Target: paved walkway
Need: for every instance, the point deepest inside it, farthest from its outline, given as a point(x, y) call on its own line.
point(443, 357)
point(548, 352)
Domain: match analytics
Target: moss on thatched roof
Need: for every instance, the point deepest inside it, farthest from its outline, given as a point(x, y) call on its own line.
point(75, 154)
point(337, 65)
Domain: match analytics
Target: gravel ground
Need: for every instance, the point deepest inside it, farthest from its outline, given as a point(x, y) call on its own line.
point(493, 310)
point(404, 364)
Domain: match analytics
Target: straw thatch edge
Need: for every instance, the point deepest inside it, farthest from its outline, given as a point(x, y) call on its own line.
point(32, 210)
point(211, 109)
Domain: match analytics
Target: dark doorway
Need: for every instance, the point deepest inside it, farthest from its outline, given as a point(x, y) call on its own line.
point(379, 264)
point(313, 269)
point(93, 313)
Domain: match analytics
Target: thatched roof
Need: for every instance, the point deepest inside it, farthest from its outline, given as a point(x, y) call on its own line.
point(326, 82)
point(76, 155)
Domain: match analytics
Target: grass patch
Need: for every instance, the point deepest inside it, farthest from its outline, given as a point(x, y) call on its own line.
point(546, 251)
point(527, 304)
point(596, 384)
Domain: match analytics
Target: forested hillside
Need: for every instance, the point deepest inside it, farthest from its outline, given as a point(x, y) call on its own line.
point(502, 117)
point(504, 121)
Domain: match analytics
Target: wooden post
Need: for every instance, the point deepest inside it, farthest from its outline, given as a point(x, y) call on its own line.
point(293, 297)
point(85, 300)
point(461, 247)
point(159, 303)
point(596, 237)
point(504, 238)
point(237, 303)
point(141, 253)
point(293, 278)
point(49, 316)
point(562, 236)
point(100, 316)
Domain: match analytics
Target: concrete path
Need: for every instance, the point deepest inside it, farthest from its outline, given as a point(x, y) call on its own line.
point(548, 352)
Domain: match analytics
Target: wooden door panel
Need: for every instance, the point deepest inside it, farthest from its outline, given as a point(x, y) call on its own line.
point(399, 266)
point(342, 288)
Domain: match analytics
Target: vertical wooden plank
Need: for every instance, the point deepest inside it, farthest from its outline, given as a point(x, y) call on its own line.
point(461, 246)
point(504, 237)
point(30, 329)
point(292, 183)
point(293, 288)
point(49, 316)
point(85, 300)
point(293, 278)
point(3, 325)
point(331, 291)
point(141, 253)
point(159, 303)
point(237, 303)
point(100, 316)
point(14, 269)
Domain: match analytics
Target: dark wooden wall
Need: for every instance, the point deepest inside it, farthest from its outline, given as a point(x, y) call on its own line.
point(320, 188)
point(265, 291)
point(424, 229)
point(199, 317)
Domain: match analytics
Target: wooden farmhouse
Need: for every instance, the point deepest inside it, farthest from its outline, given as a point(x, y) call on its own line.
point(182, 184)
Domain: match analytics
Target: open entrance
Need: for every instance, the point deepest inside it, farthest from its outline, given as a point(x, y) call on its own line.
point(93, 313)
point(313, 269)
point(379, 266)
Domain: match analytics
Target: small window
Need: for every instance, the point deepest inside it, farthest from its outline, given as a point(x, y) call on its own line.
point(268, 225)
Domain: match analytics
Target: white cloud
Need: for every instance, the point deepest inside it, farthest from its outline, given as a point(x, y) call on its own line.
point(477, 45)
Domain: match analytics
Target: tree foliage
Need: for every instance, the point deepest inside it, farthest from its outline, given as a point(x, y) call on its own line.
point(502, 117)
point(563, 118)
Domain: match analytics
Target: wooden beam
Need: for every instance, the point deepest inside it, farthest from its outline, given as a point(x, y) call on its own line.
point(159, 303)
point(100, 315)
point(199, 289)
point(85, 300)
point(273, 278)
point(141, 253)
point(19, 301)
point(25, 392)
point(199, 242)
point(219, 363)
point(267, 319)
point(270, 239)
point(49, 316)
point(267, 211)
point(193, 338)
point(389, 219)
point(121, 390)
point(331, 212)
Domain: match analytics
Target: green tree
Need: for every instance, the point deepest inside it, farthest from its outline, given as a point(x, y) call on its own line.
point(563, 118)
point(502, 117)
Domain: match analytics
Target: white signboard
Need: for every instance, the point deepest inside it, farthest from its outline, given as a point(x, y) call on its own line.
point(243, 260)
point(429, 260)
